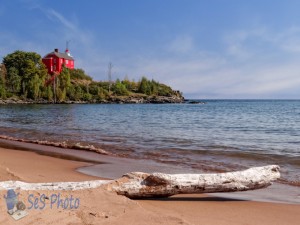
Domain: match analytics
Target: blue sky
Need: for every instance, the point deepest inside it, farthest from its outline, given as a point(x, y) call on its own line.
point(207, 49)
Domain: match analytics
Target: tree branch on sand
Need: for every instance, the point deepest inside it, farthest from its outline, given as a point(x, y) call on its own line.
point(144, 185)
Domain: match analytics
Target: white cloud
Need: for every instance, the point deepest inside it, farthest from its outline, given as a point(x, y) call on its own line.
point(241, 44)
point(247, 43)
point(31, 4)
point(83, 47)
point(68, 24)
point(261, 68)
point(181, 44)
point(274, 79)
point(254, 63)
point(289, 40)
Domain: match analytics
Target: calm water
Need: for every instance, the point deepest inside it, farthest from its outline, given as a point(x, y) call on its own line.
point(221, 135)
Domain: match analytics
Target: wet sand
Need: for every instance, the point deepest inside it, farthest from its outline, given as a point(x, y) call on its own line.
point(111, 167)
point(98, 206)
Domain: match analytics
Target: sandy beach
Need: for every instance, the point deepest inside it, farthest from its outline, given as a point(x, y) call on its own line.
point(98, 206)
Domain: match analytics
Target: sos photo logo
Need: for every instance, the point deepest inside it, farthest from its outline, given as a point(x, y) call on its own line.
point(18, 209)
point(15, 208)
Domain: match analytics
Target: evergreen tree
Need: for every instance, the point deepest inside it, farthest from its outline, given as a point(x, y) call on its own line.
point(2, 81)
point(34, 87)
point(49, 93)
point(64, 84)
point(13, 80)
point(144, 86)
point(119, 88)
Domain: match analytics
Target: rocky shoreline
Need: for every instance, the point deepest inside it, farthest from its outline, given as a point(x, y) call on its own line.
point(111, 100)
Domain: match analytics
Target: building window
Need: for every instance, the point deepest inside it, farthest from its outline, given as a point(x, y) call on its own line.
point(54, 60)
point(67, 61)
point(54, 67)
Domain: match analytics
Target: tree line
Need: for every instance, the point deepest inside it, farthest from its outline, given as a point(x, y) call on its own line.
point(23, 75)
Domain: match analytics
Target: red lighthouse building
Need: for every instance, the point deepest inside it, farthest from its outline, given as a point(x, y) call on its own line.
point(55, 61)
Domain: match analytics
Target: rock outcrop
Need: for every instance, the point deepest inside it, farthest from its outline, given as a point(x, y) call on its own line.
point(111, 100)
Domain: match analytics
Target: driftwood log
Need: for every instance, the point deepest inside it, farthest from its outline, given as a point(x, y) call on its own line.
point(144, 185)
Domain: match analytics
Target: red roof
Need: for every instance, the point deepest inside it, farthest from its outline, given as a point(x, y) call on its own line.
point(59, 55)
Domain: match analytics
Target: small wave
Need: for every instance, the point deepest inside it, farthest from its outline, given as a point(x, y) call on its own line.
point(63, 144)
point(295, 183)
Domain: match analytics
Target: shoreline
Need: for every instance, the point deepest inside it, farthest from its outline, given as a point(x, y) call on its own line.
point(28, 166)
point(174, 99)
point(231, 140)
point(98, 206)
point(225, 161)
point(101, 166)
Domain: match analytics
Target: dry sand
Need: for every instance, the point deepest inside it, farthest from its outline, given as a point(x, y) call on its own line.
point(98, 206)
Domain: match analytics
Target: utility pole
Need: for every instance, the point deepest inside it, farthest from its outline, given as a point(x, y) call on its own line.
point(109, 76)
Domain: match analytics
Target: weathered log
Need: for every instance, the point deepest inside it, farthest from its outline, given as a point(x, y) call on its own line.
point(55, 186)
point(143, 185)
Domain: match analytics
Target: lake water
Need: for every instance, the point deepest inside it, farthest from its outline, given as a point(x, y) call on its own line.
point(221, 135)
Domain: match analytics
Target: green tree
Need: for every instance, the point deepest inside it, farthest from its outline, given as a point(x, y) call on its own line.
point(87, 97)
point(79, 74)
point(130, 85)
point(2, 90)
point(94, 89)
point(24, 68)
point(2, 81)
point(104, 85)
point(48, 93)
point(144, 86)
point(102, 93)
point(13, 80)
point(164, 90)
point(154, 86)
point(78, 93)
point(34, 87)
point(119, 88)
point(65, 78)
point(64, 84)
point(19, 59)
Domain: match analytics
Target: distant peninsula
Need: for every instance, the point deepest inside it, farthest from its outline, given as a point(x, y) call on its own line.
point(24, 79)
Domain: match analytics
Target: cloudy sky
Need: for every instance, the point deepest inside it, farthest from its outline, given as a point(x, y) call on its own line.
point(206, 49)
